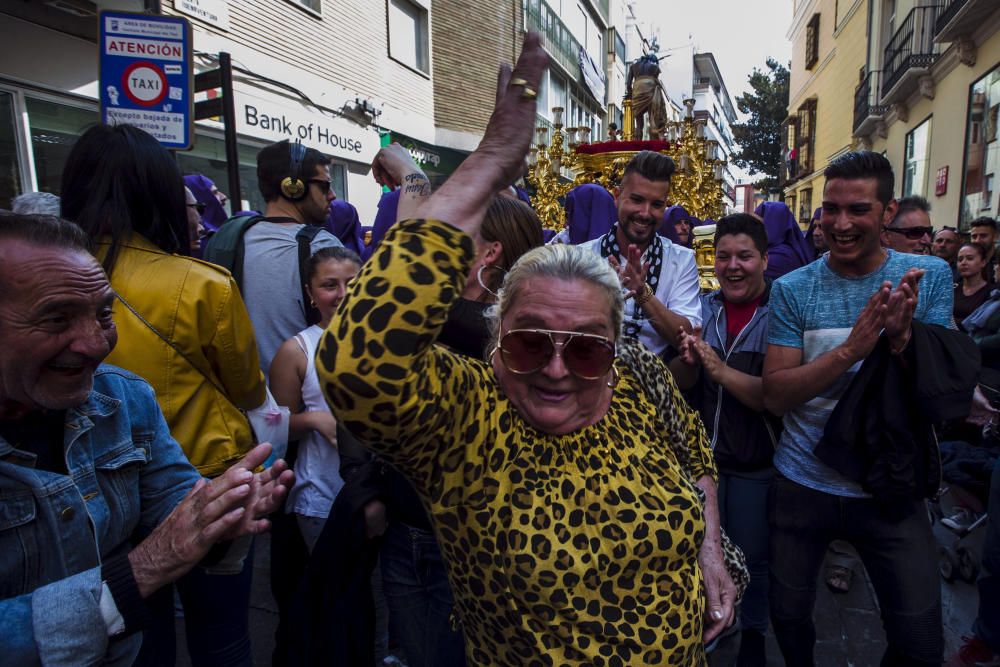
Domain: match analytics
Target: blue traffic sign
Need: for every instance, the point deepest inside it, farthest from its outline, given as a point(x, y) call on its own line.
point(146, 75)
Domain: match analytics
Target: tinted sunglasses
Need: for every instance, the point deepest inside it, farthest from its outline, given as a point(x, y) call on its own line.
point(912, 233)
point(324, 185)
point(198, 207)
point(526, 351)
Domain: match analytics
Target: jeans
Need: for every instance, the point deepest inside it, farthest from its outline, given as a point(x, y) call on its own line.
point(216, 620)
point(900, 556)
point(743, 513)
point(419, 598)
point(987, 625)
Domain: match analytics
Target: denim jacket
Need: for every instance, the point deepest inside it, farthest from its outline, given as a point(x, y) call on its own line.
point(125, 472)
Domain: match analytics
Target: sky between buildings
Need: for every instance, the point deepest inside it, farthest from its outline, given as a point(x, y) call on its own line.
point(741, 34)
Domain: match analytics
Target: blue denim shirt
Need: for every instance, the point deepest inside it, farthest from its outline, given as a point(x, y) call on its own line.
point(125, 472)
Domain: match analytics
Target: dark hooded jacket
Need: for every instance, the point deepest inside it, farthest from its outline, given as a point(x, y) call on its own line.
point(743, 439)
point(881, 434)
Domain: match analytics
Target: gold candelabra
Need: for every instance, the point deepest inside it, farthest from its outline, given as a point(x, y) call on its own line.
point(697, 184)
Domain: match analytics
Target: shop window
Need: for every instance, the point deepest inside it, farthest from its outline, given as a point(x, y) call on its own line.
point(409, 34)
point(790, 202)
point(806, 136)
point(805, 206)
point(918, 142)
point(812, 42)
point(982, 151)
point(10, 169)
point(789, 150)
point(54, 129)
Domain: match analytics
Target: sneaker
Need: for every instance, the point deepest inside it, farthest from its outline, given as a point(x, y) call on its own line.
point(961, 520)
point(974, 653)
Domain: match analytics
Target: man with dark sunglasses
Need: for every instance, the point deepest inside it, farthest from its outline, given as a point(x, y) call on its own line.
point(910, 230)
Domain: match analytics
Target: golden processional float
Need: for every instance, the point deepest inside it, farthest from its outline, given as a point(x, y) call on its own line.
point(696, 185)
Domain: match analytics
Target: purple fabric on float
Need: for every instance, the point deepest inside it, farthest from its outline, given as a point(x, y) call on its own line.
point(590, 213)
point(672, 216)
point(522, 194)
point(787, 248)
point(384, 219)
point(201, 188)
point(343, 222)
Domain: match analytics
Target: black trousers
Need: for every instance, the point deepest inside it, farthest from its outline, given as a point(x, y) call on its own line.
point(900, 555)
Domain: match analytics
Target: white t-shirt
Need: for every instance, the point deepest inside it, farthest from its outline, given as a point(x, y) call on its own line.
point(678, 289)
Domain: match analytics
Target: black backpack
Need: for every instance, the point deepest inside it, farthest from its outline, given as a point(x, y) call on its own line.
point(226, 249)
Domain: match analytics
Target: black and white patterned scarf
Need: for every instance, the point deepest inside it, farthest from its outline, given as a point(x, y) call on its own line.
point(653, 255)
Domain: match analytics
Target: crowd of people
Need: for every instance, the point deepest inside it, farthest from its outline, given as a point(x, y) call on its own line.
point(496, 449)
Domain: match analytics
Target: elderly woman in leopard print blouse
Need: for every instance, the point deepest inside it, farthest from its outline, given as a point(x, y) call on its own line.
point(571, 533)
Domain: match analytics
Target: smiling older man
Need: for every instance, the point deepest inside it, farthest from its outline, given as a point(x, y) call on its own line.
point(87, 463)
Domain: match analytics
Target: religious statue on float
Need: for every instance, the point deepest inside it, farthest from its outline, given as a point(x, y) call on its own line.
point(643, 87)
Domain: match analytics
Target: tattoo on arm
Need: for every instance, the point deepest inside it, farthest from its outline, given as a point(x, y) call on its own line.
point(417, 184)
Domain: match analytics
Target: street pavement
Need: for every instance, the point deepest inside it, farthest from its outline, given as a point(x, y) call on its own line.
point(848, 628)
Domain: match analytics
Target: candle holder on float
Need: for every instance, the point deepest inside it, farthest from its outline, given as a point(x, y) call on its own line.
point(697, 184)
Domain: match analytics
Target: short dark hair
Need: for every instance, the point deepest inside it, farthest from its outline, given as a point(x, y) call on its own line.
point(274, 163)
point(858, 165)
point(650, 165)
point(42, 230)
point(984, 221)
point(330, 253)
point(119, 180)
point(910, 204)
point(742, 223)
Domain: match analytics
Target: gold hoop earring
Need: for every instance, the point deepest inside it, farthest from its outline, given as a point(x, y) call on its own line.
point(614, 377)
point(479, 279)
point(312, 302)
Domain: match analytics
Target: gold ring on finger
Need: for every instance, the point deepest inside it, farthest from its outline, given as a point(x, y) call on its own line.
point(528, 93)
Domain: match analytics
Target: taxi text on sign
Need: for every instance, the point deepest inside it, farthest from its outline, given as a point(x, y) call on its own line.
point(146, 75)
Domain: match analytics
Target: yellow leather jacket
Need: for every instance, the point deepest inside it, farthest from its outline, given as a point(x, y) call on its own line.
point(197, 306)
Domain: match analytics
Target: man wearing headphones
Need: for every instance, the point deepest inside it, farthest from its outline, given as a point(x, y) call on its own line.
point(295, 183)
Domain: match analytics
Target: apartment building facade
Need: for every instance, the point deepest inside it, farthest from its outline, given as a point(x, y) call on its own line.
point(929, 101)
point(829, 43)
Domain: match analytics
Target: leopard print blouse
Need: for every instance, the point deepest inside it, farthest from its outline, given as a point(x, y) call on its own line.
point(578, 549)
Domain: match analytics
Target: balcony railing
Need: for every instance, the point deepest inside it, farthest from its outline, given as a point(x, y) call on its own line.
point(556, 37)
point(961, 17)
point(912, 46)
point(866, 101)
point(949, 9)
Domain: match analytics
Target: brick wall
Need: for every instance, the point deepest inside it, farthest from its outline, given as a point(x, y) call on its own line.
point(470, 38)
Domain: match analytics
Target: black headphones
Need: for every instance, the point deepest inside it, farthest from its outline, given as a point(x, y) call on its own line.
point(292, 186)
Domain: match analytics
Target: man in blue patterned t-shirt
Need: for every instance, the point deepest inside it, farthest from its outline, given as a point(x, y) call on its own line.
point(825, 319)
